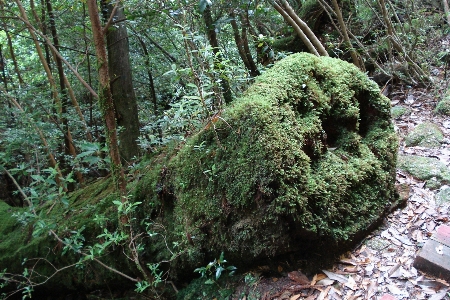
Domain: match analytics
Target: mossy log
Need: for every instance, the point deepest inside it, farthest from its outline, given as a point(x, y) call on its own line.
point(304, 159)
point(307, 156)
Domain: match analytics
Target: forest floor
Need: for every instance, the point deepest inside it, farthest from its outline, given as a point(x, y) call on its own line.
point(381, 267)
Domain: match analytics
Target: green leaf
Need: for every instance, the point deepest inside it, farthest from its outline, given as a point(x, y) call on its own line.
point(209, 281)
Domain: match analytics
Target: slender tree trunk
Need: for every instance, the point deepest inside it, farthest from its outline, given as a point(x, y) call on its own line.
point(218, 59)
point(88, 63)
point(242, 46)
point(11, 48)
point(297, 29)
point(245, 26)
point(151, 85)
point(446, 11)
point(353, 53)
point(304, 27)
point(51, 80)
point(105, 98)
point(124, 98)
point(69, 148)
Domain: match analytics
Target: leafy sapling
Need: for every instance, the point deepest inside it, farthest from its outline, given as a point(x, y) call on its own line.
point(214, 270)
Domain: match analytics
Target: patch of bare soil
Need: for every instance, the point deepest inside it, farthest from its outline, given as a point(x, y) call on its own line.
point(381, 267)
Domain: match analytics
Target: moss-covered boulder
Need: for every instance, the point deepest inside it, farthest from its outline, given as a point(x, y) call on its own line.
point(425, 134)
point(428, 169)
point(443, 106)
point(398, 111)
point(306, 156)
point(443, 195)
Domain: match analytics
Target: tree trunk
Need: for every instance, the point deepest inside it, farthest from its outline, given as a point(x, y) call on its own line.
point(353, 53)
point(242, 46)
point(151, 85)
point(124, 98)
point(10, 46)
point(446, 11)
point(105, 98)
point(69, 148)
point(218, 59)
point(297, 29)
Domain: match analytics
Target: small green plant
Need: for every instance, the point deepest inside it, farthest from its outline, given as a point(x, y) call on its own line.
point(214, 270)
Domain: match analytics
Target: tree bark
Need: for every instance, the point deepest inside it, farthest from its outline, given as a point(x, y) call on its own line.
point(105, 98)
point(124, 98)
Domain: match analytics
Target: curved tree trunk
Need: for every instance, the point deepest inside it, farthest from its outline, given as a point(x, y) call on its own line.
point(242, 46)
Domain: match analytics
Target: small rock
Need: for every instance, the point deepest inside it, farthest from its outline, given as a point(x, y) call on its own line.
point(443, 195)
point(425, 135)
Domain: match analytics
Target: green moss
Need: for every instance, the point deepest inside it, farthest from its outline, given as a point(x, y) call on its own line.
point(425, 135)
point(429, 169)
point(443, 107)
point(398, 111)
point(307, 152)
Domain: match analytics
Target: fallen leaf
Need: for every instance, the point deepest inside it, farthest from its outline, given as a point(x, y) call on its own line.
point(325, 282)
point(351, 283)
point(396, 291)
point(299, 277)
point(324, 293)
point(280, 269)
point(314, 280)
point(371, 290)
point(438, 296)
point(295, 297)
point(337, 277)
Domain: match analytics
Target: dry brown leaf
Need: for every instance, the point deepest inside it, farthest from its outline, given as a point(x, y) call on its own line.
point(348, 261)
point(324, 293)
point(299, 277)
point(314, 280)
point(295, 297)
point(351, 283)
point(337, 277)
point(280, 269)
point(371, 290)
